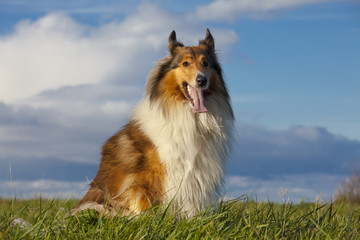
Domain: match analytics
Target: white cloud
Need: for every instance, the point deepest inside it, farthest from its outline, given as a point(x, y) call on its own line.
point(47, 54)
point(228, 10)
point(55, 50)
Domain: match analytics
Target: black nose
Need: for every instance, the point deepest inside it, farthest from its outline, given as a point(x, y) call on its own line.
point(201, 80)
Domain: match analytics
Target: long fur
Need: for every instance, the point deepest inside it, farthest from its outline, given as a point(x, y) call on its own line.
point(167, 152)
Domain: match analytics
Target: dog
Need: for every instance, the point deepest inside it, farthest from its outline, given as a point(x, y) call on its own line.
point(173, 149)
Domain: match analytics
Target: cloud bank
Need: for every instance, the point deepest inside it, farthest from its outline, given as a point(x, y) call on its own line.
point(55, 51)
point(298, 149)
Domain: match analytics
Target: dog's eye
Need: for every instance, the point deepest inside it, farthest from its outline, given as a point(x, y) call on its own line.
point(205, 64)
point(185, 64)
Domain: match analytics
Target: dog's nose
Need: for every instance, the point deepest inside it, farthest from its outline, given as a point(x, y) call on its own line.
point(201, 80)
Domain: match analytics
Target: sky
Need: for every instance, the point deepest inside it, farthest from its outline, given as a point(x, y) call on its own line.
point(71, 72)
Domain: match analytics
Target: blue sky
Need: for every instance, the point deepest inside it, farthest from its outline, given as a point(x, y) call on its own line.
point(72, 71)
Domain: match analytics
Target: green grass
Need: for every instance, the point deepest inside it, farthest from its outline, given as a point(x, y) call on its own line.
point(242, 219)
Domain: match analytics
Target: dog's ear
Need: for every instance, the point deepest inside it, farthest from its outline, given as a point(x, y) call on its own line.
point(208, 41)
point(173, 43)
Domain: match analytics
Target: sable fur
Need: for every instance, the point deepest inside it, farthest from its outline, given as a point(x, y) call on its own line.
point(167, 152)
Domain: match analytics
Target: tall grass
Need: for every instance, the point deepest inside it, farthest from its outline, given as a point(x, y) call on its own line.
point(238, 219)
point(349, 191)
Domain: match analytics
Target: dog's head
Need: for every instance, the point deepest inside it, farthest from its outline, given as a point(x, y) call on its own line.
point(188, 74)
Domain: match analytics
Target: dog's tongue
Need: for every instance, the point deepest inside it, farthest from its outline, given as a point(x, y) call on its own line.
point(197, 96)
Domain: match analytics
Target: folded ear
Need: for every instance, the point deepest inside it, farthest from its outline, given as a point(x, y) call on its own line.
point(208, 41)
point(173, 43)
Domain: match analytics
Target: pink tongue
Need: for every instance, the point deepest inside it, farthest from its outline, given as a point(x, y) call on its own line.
point(197, 96)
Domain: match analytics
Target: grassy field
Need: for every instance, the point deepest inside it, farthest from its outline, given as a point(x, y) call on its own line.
point(241, 219)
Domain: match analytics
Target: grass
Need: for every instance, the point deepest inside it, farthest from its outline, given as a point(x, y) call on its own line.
point(349, 191)
point(240, 219)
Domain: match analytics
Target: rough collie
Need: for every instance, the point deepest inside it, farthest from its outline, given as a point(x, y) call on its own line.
point(174, 147)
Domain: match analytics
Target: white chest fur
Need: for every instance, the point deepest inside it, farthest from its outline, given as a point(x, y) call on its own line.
point(192, 147)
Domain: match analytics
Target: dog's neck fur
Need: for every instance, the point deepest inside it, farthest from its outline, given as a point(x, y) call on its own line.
point(191, 146)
